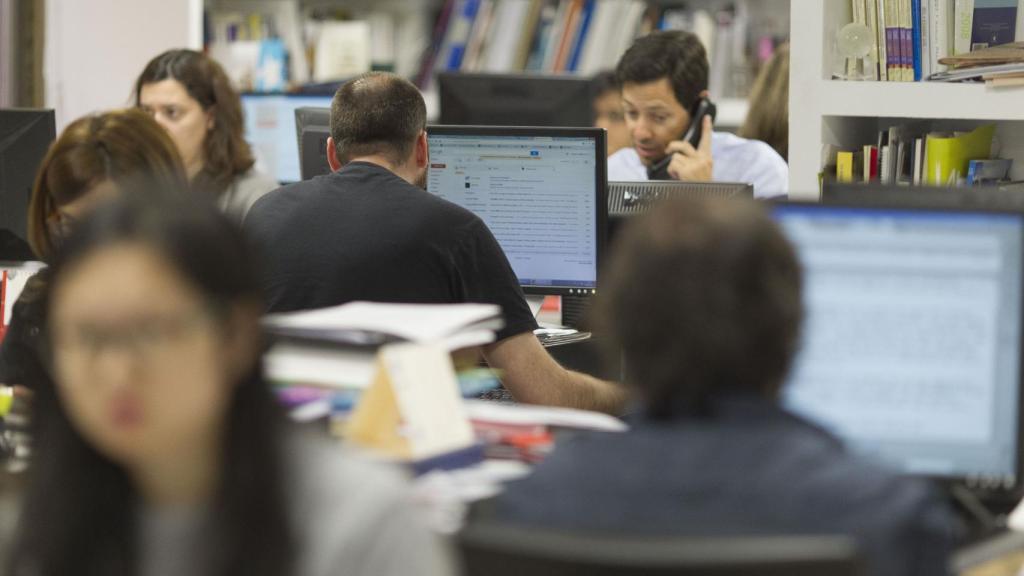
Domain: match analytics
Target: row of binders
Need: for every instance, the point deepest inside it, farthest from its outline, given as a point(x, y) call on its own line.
point(912, 154)
point(913, 37)
point(534, 35)
point(584, 36)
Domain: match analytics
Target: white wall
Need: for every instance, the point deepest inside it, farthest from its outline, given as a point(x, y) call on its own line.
point(96, 48)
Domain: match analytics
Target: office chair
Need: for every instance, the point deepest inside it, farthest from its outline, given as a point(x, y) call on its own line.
point(489, 549)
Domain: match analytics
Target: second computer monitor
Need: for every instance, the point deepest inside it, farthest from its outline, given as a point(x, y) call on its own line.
point(312, 129)
point(269, 126)
point(541, 191)
point(516, 100)
point(913, 335)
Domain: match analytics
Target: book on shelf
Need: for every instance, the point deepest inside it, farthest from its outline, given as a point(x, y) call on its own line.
point(586, 36)
point(988, 171)
point(995, 23)
point(319, 45)
point(914, 154)
point(914, 39)
point(963, 31)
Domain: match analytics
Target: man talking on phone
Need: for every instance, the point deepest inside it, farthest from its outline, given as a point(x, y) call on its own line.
point(670, 116)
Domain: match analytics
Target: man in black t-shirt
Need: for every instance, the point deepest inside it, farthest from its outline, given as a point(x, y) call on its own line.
point(370, 231)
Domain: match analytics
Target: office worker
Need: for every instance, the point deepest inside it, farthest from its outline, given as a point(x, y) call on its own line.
point(608, 111)
point(768, 116)
point(189, 94)
point(664, 76)
point(92, 159)
point(704, 299)
point(161, 450)
point(369, 231)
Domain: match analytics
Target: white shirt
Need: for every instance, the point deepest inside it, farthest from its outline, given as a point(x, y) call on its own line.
point(735, 160)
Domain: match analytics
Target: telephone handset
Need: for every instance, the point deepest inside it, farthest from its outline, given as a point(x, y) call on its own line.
point(703, 107)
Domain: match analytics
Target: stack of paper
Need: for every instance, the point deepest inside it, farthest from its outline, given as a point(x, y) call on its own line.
point(335, 347)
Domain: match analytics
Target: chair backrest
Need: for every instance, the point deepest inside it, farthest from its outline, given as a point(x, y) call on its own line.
point(499, 550)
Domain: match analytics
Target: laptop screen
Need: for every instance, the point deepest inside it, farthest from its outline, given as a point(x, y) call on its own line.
point(912, 341)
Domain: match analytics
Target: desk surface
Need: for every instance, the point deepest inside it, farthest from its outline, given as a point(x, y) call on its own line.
point(999, 556)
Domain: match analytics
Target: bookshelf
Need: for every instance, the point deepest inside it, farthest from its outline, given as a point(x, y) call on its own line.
point(851, 113)
point(416, 20)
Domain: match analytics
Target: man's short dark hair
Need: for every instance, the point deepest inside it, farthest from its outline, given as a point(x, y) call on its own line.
point(703, 299)
point(377, 113)
point(673, 54)
point(604, 82)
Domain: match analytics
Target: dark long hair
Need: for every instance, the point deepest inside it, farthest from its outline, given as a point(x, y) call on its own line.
point(80, 507)
point(704, 298)
point(226, 154)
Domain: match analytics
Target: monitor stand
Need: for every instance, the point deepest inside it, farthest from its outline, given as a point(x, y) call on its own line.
point(534, 302)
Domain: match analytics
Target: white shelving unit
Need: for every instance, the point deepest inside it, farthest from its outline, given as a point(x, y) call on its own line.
point(823, 110)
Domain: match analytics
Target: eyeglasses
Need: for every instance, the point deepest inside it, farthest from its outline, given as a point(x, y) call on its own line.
point(151, 340)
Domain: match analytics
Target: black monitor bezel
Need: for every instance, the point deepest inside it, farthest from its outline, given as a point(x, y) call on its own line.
point(449, 82)
point(35, 120)
point(985, 487)
point(302, 125)
point(600, 175)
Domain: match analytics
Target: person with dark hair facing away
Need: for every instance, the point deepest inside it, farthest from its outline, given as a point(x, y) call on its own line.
point(704, 300)
point(664, 79)
point(370, 231)
point(608, 111)
point(94, 158)
point(160, 448)
point(190, 95)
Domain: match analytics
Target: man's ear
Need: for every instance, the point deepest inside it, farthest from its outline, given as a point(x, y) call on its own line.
point(422, 150)
point(332, 155)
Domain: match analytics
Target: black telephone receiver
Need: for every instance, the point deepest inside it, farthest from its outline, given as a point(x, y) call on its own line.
point(702, 108)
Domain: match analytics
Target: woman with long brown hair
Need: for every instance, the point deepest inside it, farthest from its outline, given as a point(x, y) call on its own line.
point(189, 94)
point(94, 158)
point(768, 117)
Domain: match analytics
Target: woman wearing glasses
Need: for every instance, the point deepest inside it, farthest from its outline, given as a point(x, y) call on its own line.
point(160, 448)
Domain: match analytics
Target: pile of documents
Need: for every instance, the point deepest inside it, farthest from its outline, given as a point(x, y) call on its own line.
point(997, 66)
point(336, 347)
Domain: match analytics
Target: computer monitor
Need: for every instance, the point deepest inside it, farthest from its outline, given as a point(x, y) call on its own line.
point(515, 100)
point(25, 137)
point(912, 340)
point(627, 199)
point(922, 196)
point(269, 129)
point(541, 191)
point(312, 128)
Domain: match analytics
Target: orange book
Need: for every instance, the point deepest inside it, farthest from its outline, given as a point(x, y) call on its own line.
point(572, 21)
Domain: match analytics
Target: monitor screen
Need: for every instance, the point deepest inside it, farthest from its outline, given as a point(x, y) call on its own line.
point(515, 100)
point(270, 130)
point(541, 191)
point(912, 340)
point(25, 137)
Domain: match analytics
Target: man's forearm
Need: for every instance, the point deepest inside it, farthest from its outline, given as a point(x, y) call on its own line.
point(589, 393)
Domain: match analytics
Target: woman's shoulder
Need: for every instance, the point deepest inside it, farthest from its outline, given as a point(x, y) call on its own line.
point(350, 510)
point(245, 190)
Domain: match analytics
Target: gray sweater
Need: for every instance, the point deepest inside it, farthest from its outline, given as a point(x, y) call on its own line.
point(352, 517)
point(244, 192)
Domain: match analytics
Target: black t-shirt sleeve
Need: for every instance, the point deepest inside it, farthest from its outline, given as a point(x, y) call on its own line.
point(485, 275)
